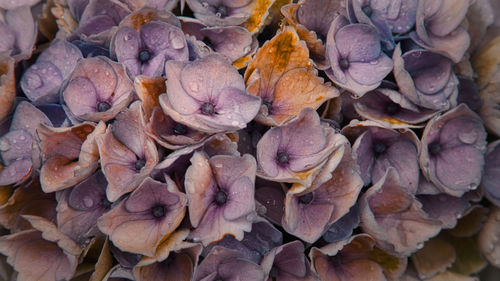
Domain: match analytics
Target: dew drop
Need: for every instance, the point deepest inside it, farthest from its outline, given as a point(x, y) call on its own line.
point(88, 202)
point(468, 137)
point(194, 87)
point(176, 40)
point(4, 145)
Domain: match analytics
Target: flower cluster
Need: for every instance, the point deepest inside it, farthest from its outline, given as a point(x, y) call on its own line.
point(257, 140)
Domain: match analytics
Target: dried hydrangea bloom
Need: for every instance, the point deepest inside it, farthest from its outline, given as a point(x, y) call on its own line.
point(255, 244)
point(354, 52)
point(220, 192)
point(176, 163)
point(438, 27)
point(221, 12)
point(308, 214)
point(234, 42)
point(179, 265)
point(377, 148)
point(97, 90)
point(16, 145)
point(397, 16)
point(426, 78)
point(288, 262)
point(356, 258)
point(297, 151)
point(28, 199)
point(391, 109)
point(42, 80)
point(127, 154)
point(18, 31)
point(453, 147)
point(170, 134)
point(208, 95)
point(226, 264)
point(99, 16)
point(490, 181)
point(436, 255)
point(394, 217)
point(312, 20)
point(448, 213)
point(291, 84)
point(68, 155)
point(142, 221)
point(7, 85)
point(79, 208)
point(144, 47)
point(43, 253)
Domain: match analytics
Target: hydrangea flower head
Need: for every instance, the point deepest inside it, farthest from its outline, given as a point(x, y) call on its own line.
point(208, 95)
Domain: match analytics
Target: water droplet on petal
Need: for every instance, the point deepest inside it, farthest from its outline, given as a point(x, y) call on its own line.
point(88, 202)
point(4, 145)
point(176, 40)
point(468, 137)
point(194, 87)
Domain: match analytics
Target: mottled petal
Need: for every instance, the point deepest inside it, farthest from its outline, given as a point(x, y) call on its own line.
point(27, 200)
point(79, 208)
point(228, 264)
point(284, 52)
point(97, 89)
point(42, 80)
point(399, 226)
point(140, 213)
point(447, 141)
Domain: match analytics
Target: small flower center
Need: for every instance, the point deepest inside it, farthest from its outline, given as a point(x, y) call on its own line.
point(139, 164)
point(180, 129)
point(221, 11)
point(144, 56)
point(367, 10)
point(434, 148)
point(306, 198)
point(282, 158)
point(220, 197)
point(158, 211)
point(208, 108)
point(392, 108)
point(344, 63)
point(379, 148)
point(103, 106)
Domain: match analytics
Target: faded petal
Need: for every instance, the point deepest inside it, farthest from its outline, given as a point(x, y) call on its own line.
point(55, 255)
point(400, 226)
point(153, 210)
point(448, 140)
point(228, 264)
point(98, 89)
